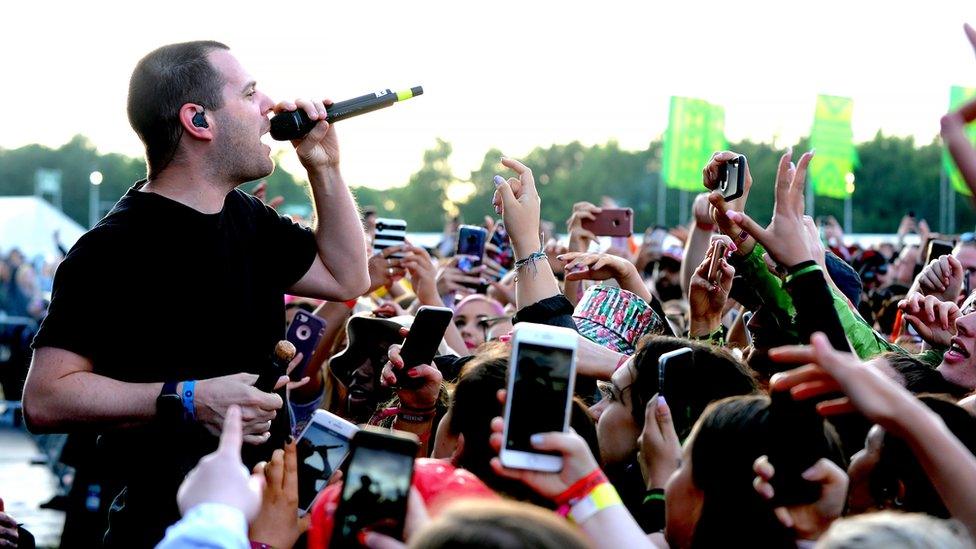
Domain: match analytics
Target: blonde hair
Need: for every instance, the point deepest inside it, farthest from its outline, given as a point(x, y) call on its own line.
point(887, 529)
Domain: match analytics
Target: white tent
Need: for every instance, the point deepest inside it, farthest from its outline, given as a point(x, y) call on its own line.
point(29, 222)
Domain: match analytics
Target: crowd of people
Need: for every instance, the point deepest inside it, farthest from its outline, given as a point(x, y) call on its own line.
point(825, 398)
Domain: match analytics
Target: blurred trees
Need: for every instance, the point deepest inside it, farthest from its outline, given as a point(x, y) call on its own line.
point(896, 175)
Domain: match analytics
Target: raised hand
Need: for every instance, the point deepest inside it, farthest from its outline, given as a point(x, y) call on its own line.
point(578, 462)
point(932, 318)
point(580, 238)
point(221, 477)
point(782, 238)
point(519, 203)
point(384, 270)
point(811, 520)
point(659, 447)
point(423, 274)
point(278, 524)
point(710, 178)
point(709, 291)
point(422, 398)
point(320, 148)
point(942, 278)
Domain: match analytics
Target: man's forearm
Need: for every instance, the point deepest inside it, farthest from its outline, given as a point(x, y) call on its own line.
point(338, 231)
point(88, 400)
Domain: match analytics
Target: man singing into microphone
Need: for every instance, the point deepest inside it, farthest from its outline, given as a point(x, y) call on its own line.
point(163, 314)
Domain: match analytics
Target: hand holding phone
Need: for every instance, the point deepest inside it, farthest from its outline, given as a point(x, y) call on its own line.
point(617, 222)
point(305, 332)
point(422, 342)
point(541, 377)
point(719, 250)
point(322, 446)
point(376, 486)
point(390, 233)
point(797, 441)
point(732, 177)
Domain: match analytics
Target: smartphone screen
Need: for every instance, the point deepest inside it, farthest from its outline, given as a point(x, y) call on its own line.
point(375, 489)
point(320, 452)
point(471, 247)
point(539, 394)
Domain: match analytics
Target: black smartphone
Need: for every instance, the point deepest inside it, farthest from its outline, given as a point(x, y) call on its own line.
point(305, 332)
point(797, 441)
point(421, 344)
point(502, 252)
point(376, 485)
point(937, 248)
point(471, 250)
point(732, 178)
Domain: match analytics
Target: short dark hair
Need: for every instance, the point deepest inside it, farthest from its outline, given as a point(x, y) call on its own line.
point(162, 82)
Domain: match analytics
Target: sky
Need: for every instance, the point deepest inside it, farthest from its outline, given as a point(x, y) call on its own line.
point(505, 74)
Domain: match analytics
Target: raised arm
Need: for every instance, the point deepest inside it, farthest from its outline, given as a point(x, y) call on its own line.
point(339, 272)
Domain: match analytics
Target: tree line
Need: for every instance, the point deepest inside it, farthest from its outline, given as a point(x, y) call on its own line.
point(895, 176)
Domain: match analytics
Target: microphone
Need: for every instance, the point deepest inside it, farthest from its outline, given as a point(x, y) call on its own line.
point(296, 124)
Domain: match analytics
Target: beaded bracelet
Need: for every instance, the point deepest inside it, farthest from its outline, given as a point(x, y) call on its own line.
point(533, 257)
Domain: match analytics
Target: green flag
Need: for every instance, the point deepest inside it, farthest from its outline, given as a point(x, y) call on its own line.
point(833, 139)
point(696, 129)
point(957, 96)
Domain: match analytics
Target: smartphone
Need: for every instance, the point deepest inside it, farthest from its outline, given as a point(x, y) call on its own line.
point(305, 332)
point(322, 445)
point(937, 248)
point(541, 377)
point(389, 233)
point(720, 250)
point(471, 249)
point(502, 253)
point(670, 360)
point(796, 443)
point(611, 222)
point(732, 177)
point(421, 344)
point(376, 485)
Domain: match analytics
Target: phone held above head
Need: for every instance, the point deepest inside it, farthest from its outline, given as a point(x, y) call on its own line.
point(541, 378)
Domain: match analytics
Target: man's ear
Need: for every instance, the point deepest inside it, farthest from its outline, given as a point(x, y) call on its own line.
point(196, 122)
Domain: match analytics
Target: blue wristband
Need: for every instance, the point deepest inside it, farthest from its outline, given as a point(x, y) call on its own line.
point(187, 396)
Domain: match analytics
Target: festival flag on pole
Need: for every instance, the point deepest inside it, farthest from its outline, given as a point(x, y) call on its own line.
point(696, 129)
point(957, 96)
point(833, 140)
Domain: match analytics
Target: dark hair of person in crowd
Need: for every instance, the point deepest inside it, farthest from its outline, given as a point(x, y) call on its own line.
point(486, 524)
point(712, 374)
point(475, 403)
point(898, 477)
point(919, 377)
point(730, 436)
point(163, 81)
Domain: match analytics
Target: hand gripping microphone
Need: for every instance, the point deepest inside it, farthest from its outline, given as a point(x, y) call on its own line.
point(281, 424)
point(296, 124)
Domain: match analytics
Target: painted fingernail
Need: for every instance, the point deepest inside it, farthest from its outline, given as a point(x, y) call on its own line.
point(498, 180)
point(412, 372)
point(661, 402)
point(536, 439)
point(733, 247)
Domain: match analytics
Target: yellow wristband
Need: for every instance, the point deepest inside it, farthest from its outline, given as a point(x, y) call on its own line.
point(600, 498)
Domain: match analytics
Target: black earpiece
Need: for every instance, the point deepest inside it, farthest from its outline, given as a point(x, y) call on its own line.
point(200, 121)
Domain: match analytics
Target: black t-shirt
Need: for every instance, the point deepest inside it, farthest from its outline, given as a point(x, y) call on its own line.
point(158, 291)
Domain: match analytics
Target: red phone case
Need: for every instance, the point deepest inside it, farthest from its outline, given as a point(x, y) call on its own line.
point(611, 222)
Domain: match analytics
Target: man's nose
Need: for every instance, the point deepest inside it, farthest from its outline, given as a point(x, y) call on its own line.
point(966, 325)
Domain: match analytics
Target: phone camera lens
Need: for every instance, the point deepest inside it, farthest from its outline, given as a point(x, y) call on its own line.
point(303, 333)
